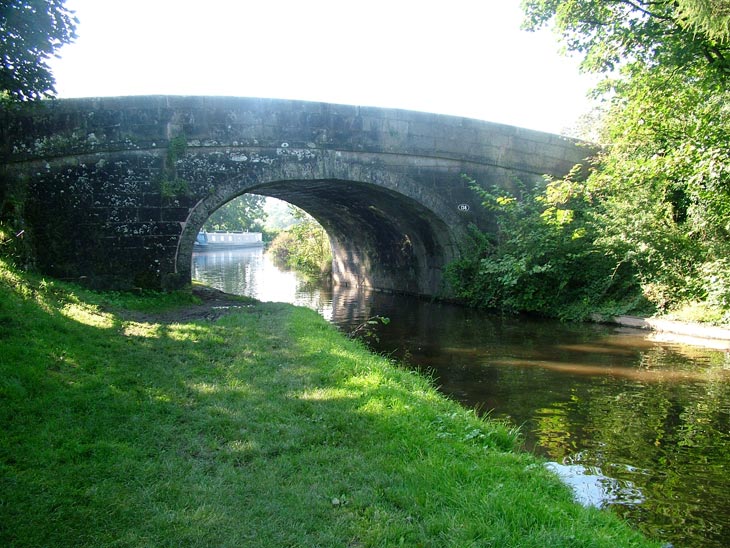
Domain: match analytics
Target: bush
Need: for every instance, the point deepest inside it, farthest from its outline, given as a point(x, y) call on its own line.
point(304, 247)
point(544, 257)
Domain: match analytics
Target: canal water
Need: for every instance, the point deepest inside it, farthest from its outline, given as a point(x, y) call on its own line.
point(634, 424)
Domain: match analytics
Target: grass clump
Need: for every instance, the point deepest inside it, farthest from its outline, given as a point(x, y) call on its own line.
point(263, 427)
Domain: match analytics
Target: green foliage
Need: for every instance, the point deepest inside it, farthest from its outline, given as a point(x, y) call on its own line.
point(31, 31)
point(544, 257)
point(709, 16)
point(366, 330)
point(174, 188)
point(663, 181)
point(245, 213)
point(646, 32)
point(13, 239)
point(171, 186)
point(304, 247)
point(176, 149)
point(279, 215)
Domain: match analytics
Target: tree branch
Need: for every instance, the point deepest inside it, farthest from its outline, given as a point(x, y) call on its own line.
point(645, 11)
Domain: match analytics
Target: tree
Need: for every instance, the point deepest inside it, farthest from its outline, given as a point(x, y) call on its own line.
point(545, 256)
point(663, 181)
point(279, 215)
point(303, 247)
point(613, 33)
point(31, 31)
point(709, 16)
point(240, 214)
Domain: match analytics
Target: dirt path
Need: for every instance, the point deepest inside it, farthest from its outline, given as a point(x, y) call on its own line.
point(214, 304)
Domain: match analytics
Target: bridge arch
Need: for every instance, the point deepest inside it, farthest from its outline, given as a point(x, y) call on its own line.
point(381, 232)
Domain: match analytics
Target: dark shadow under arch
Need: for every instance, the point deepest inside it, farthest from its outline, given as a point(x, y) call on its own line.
point(380, 238)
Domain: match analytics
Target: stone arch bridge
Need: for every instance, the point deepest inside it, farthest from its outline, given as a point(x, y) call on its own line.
point(114, 190)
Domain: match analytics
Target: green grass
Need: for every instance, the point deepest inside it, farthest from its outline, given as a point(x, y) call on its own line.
point(264, 428)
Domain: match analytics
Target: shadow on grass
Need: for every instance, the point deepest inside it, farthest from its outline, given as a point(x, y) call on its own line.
point(264, 428)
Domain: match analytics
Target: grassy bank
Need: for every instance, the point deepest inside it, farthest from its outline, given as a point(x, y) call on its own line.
point(258, 427)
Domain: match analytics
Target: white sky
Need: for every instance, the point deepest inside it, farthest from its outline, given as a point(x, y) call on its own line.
point(461, 57)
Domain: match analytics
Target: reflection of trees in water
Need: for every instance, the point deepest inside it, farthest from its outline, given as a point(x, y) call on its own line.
point(669, 438)
point(650, 417)
point(248, 271)
point(233, 271)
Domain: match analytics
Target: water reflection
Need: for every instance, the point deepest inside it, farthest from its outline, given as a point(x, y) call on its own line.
point(250, 272)
point(592, 488)
point(644, 425)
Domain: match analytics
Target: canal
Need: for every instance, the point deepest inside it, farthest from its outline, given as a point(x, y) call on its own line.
point(634, 424)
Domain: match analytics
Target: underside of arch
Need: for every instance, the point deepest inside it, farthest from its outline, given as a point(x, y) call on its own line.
point(380, 238)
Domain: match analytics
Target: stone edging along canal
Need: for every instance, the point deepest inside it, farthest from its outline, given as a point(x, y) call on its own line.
point(673, 331)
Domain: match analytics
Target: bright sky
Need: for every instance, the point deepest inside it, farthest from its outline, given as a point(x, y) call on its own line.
point(461, 57)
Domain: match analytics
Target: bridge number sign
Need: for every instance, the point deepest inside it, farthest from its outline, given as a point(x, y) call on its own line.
point(463, 207)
